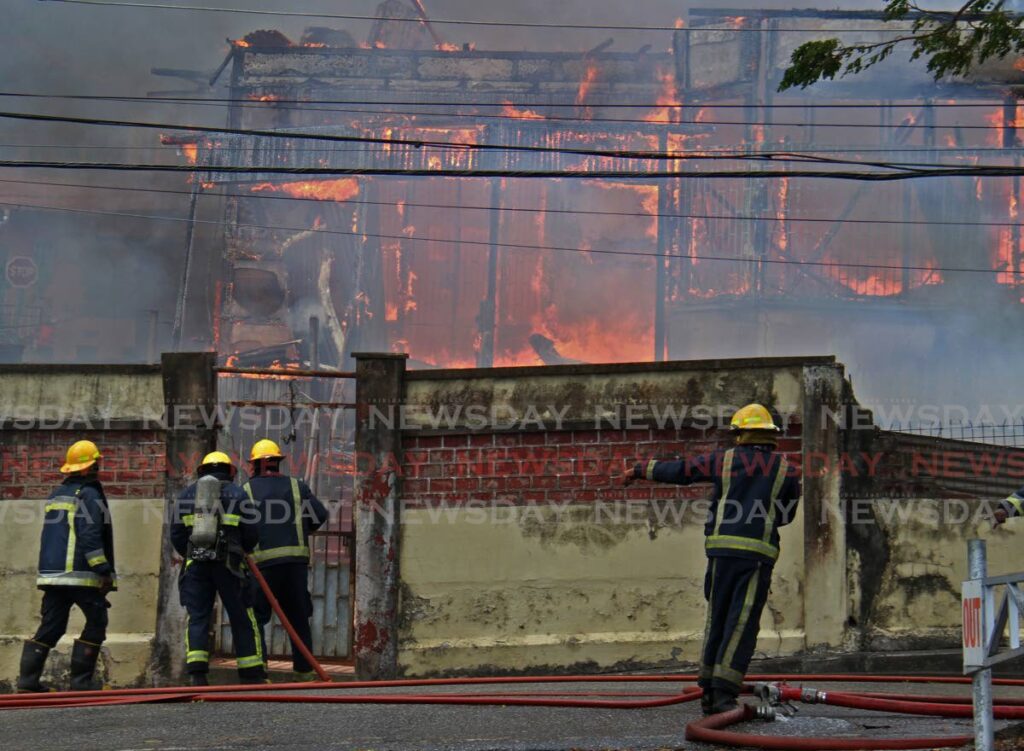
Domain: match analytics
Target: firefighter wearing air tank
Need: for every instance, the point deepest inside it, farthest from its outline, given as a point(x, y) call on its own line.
point(214, 528)
point(755, 493)
point(288, 513)
point(76, 568)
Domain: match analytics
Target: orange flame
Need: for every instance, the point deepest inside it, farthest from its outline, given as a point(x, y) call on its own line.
point(667, 100)
point(191, 152)
point(240, 43)
point(585, 85)
point(510, 110)
point(447, 47)
point(343, 189)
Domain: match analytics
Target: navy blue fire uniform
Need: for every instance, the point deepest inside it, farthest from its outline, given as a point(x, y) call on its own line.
point(76, 567)
point(201, 581)
point(755, 493)
point(288, 513)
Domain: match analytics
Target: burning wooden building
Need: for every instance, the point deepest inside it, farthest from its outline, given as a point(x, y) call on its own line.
point(465, 271)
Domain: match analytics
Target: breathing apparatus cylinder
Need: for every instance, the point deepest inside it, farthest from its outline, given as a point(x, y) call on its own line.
point(206, 519)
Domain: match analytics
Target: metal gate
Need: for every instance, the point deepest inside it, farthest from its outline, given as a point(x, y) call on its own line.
point(310, 418)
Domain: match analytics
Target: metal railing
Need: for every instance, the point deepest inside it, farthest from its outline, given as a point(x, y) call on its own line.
point(1006, 433)
point(984, 625)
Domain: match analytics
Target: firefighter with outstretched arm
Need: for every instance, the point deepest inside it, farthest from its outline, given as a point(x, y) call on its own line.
point(755, 493)
point(214, 528)
point(76, 568)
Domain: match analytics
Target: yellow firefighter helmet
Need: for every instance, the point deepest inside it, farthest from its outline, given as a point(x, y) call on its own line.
point(265, 449)
point(753, 417)
point(216, 457)
point(81, 455)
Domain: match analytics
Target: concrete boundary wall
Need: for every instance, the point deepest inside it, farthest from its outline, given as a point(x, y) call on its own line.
point(43, 409)
point(517, 551)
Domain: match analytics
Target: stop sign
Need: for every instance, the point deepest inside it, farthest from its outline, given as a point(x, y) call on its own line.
point(22, 271)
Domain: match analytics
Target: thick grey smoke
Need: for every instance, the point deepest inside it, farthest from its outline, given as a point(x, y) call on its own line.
point(99, 277)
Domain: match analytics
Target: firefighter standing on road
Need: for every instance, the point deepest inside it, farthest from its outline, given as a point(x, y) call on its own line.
point(76, 567)
point(288, 513)
point(214, 528)
point(755, 494)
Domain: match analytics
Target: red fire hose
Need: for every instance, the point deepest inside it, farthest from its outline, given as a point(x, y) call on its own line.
point(296, 641)
point(711, 730)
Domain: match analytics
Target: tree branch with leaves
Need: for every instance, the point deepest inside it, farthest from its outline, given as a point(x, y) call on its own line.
point(951, 43)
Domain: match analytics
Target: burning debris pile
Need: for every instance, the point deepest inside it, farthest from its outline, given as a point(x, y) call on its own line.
point(462, 272)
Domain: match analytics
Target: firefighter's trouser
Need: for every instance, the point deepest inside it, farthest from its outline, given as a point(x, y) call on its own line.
point(736, 590)
point(57, 604)
point(200, 584)
point(289, 583)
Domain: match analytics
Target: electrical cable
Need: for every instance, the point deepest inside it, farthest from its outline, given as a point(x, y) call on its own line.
point(645, 175)
point(518, 246)
point(264, 195)
point(441, 21)
point(997, 103)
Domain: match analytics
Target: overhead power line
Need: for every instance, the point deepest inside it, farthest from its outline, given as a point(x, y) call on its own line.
point(521, 246)
point(932, 170)
point(264, 195)
point(996, 102)
point(411, 142)
point(298, 105)
point(421, 143)
point(444, 21)
point(708, 150)
point(862, 175)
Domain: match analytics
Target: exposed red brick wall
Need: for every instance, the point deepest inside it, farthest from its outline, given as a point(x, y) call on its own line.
point(132, 467)
point(551, 466)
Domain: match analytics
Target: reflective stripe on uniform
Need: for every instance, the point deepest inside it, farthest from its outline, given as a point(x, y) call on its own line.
point(188, 520)
point(726, 483)
point(722, 670)
point(69, 557)
point(95, 558)
point(60, 506)
point(731, 542)
point(286, 551)
point(230, 520)
point(300, 532)
point(706, 668)
point(725, 673)
point(256, 632)
point(69, 579)
point(1017, 503)
point(254, 661)
point(780, 477)
point(197, 655)
point(649, 474)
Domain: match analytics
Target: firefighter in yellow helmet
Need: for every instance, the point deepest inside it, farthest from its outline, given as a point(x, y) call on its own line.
point(755, 493)
point(76, 568)
point(288, 513)
point(214, 528)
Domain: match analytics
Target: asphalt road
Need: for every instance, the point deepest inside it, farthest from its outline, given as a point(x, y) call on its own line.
point(231, 726)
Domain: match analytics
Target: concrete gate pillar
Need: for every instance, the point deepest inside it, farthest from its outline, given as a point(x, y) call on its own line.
point(380, 390)
point(190, 403)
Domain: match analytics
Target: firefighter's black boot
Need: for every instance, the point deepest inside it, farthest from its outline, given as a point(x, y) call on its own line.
point(724, 700)
point(707, 701)
point(83, 664)
point(198, 679)
point(250, 676)
point(33, 658)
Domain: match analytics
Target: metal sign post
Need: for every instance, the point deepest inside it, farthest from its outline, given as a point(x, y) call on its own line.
point(975, 654)
point(985, 624)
